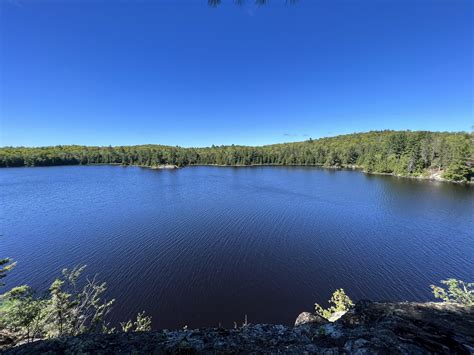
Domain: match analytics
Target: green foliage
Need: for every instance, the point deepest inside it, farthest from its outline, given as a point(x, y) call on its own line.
point(456, 291)
point(22, 313)
point(339, 302)
point(458, 171)
point(5, 266)
point(74, 311)
point(141, 324)
point(400, 152)
point(68, 309)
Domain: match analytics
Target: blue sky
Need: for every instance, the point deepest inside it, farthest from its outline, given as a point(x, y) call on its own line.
point(183, 73)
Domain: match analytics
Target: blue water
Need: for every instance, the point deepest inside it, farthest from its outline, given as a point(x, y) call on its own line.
point(201, 246)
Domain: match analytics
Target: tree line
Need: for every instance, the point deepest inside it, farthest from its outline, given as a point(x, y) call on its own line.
point(404, 153)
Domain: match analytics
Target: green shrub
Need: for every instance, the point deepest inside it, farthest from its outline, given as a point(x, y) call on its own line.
point(340, 303)
point(141, 324)
point(75, 311)
point(456, 292)
point(22, 313)
point(67, 309)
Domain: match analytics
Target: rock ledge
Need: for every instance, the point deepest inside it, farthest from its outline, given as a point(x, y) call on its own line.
point(370, 327)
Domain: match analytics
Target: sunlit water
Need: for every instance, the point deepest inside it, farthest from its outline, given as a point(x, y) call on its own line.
point(206, 245)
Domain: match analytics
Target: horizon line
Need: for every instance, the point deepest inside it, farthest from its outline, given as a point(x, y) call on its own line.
point(237, 145)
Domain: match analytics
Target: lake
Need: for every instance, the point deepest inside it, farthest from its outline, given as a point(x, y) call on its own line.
point(203, 246)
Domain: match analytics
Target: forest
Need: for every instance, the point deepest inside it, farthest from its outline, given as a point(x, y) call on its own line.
point(402, 153)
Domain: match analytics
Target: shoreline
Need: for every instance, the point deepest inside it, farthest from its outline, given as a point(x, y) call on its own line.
point(431, 177)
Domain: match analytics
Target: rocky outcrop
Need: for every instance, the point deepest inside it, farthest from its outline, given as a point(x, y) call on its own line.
point(336, 315)
point(309, 318)
point(370, 327)
point(165, 166)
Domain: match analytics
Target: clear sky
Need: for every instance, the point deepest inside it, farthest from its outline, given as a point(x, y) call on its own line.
point(183, 73)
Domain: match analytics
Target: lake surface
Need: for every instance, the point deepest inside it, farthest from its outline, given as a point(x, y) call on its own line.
point(201, 246)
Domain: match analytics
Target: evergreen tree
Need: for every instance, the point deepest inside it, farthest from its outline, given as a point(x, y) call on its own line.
point(399, 152)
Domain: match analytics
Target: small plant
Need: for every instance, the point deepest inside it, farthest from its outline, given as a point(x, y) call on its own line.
point(141, 324)
point(457, 291)
point(340, 303)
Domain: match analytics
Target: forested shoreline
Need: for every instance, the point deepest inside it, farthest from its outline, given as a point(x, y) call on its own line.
point(402, 153)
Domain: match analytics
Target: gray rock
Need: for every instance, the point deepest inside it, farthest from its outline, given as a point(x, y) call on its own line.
point(332, 330)
point(395, 328)
point(309, 318)
point(336, 315)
